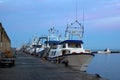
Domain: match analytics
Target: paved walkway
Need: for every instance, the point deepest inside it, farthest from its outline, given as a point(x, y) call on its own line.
point(31, 68)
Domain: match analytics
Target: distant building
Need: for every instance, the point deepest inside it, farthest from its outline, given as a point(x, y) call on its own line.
point(5, 42)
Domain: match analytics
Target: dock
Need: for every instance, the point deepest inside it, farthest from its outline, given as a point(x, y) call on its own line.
point(29, 67)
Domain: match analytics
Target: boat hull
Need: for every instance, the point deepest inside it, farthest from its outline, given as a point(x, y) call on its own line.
point(56, 59)
point(104, 52)
point(78, 61)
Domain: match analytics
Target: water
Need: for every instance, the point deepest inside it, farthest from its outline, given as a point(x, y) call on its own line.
point(107, 65)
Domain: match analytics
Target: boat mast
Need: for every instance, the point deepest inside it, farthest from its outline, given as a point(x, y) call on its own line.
point(76, 9)
point(53, 34)
point(75, 28)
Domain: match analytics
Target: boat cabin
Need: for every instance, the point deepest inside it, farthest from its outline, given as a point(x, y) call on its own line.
point(54, 47)
point(72, 46)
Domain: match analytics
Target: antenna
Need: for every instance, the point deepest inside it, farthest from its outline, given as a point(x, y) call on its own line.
point(83, 17)
point(76, 9)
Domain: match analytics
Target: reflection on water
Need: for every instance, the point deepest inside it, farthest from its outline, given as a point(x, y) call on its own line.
point(107, 65)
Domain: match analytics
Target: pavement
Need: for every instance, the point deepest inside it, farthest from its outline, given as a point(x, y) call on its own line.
point(29, 67)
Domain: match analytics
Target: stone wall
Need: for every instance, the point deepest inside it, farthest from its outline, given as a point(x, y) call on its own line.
point(5, 43)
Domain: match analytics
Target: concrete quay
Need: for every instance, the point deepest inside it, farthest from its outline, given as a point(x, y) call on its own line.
point(32, 68)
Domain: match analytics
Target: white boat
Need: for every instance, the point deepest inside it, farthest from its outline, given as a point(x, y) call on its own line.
point(75, 55)
point(52, 38)
point(33, 46)
point(41, 50)
point(107, 50)
point(70, 51)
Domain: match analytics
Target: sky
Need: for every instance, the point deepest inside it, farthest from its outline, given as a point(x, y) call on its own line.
point(22, 19)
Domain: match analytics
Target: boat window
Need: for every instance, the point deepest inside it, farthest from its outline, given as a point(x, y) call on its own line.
point(63, 52)
point(74, 45)
point(54, 46)
point(53, 53)
point(78, 46)
point(71, 45)
point(63, 45)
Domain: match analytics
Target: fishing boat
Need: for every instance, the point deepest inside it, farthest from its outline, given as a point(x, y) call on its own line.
point(41, 49)
point(70, 51)
point(33, 46)
point(53, 38)
point(107, 50)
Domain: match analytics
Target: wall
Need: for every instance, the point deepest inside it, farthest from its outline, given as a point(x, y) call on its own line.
point(5, 43)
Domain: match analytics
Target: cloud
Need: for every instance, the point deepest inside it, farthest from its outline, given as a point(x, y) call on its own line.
point(103, 10)
point(108, 23)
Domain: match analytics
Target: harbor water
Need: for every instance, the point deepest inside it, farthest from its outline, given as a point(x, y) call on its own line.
point(106, 65)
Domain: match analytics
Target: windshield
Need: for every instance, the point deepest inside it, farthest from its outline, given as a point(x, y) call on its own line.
point(72, 45)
